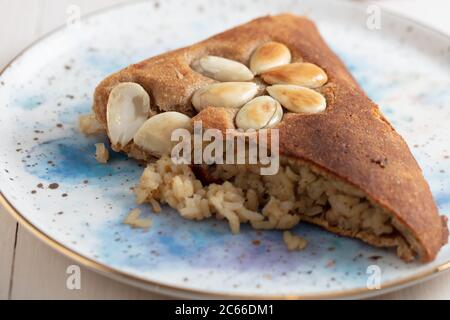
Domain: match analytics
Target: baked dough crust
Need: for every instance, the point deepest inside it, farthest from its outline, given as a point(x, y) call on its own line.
point(351, 140)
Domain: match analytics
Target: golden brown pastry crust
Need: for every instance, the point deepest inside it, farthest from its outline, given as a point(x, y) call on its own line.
point(351, 140)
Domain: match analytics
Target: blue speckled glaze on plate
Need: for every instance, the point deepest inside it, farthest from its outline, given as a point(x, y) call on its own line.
point(48, 172)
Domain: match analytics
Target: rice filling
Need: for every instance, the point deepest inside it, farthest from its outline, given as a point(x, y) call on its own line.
point(240, 195)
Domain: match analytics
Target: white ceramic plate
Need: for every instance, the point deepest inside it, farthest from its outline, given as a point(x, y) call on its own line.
point(53, 185)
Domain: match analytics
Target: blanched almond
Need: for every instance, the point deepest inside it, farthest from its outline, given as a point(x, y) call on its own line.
point(222, 69)
point(277, 116)
point(269, 55)
point(224, 95)
point(303, 74)
point(127, 109)
point(154, 135)
point(261, 112)
point(298, 99)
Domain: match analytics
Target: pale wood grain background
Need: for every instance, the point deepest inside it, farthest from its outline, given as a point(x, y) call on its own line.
point(31, 270)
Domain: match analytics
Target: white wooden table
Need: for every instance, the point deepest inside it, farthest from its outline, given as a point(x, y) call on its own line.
point(31, 270)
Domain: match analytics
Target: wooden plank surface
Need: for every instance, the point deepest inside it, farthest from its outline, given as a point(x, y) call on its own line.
point(41, 273)
point(434, 289)
point(8, 228)
point(28, 268)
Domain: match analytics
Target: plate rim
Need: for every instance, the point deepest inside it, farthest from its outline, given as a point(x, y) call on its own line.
point(174, 290)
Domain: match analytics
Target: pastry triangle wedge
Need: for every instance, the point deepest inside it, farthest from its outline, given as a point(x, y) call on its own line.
point(342, 165)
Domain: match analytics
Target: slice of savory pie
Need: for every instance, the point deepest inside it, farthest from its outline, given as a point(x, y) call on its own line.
point(342, 165)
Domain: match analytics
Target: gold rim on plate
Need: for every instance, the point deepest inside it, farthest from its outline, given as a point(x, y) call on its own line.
point(159, 287)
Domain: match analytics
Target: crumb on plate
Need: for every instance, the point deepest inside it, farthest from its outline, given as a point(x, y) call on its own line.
point(88, 124)
point(133, 219)
point(101, 153)
point(294, 242)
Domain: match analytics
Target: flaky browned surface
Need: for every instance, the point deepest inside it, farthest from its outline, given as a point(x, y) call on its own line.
point(351, 140)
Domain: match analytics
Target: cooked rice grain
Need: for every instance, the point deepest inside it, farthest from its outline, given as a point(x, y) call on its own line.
point(133, 219)
point(294, 242)
point(101, 153)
